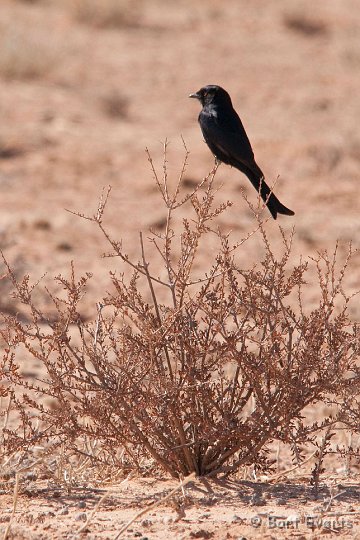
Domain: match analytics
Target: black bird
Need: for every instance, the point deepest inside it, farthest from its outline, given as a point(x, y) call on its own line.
point(226, 137)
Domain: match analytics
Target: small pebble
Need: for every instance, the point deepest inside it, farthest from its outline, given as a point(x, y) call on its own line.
point(81, 504)
point(81, 516)
point(257, 501)
point(31, 476)
point(64, 511)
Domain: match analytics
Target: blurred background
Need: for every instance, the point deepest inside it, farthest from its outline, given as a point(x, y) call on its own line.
point(86, 85)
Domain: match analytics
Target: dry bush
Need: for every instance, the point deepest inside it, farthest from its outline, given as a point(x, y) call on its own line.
point(107, 13)
point(8, 304)
point(349, 404)
point(201, 382)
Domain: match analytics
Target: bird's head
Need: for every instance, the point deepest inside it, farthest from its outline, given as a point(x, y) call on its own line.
point(212, 95)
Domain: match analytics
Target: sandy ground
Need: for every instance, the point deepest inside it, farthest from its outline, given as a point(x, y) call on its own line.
point(291, 68)
point(207, 509)
point(80, 99)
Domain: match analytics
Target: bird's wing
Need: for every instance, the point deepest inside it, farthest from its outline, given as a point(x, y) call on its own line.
point(227, 139)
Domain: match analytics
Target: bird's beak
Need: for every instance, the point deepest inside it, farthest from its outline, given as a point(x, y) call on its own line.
point(195, 95)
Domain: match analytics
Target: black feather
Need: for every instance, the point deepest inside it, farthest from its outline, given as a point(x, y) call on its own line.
point(226, 137)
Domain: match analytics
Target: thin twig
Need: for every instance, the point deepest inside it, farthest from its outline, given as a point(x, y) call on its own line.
point(99, 307)
point(297, 466)
point(182, 483)
point(145, 265)
point(15, 499)
point(6, 415)
point(97, 506)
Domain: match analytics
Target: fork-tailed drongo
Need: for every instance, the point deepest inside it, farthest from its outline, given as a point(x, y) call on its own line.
point(226, 137)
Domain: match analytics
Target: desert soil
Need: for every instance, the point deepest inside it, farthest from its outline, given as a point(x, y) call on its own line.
point(208, 510)
point(80, 100)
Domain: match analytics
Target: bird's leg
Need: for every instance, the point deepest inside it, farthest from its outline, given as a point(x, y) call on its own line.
point(217, 161)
